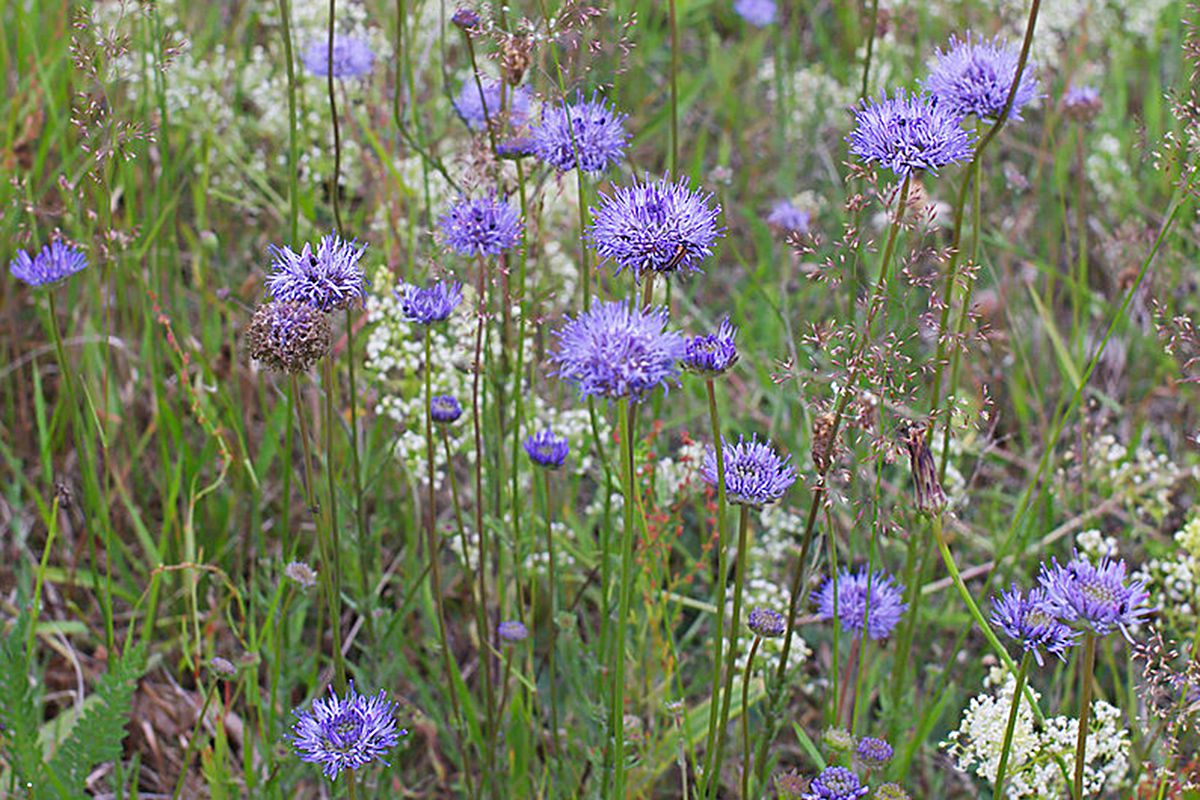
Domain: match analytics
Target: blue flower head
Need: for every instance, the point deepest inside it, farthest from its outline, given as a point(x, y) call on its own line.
point(973, 76)
point(445, 409)
point(512, 631)
point(879, 608)
point(759, 13)
point(346, 733)
point(786, 217)
point(1096, 596)
point(617, 350)
point(546, 449)
point(352, 58)
point(425, 306)
point(1031, 621)
point(288, 337)
point(477, 110)
point(873, 752)
point(766, 623)
point(907, 133)
point(481, 226)
point(755, 475)
point(835, 783)
point(711, 354)
point(328, 278)
point(53, 263)
point(655, 226)
point(584, 133)
point(1081, 102)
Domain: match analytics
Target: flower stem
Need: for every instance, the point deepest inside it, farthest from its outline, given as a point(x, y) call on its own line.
point(1022, 673)
point(746, 750)
point(551, 675)
point(332, 569)
point(1086, 668)
point(739, 582)
point(673, 21)
point(335, 176)
point(718, 580)
point(617, 668)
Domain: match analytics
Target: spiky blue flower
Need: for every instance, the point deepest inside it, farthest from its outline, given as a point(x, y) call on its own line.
point(52, 263)
point(588, 134)
point(547, 449)
point(655, 226)
point(326, 279)
point(711, 354)
point(909, 132)
point(873, 752)
point(1031, 621)
point(352, 58)
point(477, 110)
point(874, 600)
point(974, 76)
point(755, 475)
point(766, 623)
point(427, 305)
point(512, 631)
point(1081, 102)
point(787, 217)
point(346, 733)
point(835, 783)
point(1096, 596)
point(759, 13)
point(617, 350)
point(485, 225)
point(445, 409)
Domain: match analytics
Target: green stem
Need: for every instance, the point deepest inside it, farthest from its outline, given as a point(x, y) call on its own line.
point(739, 582)
point(674, 24)
point(365, 548)
point(617, 709)
point(1022, 673)
point(337, 134)
point(293, 149)
point(718, 580)
point(332, 569)
point(1086, 669)
point(746, 750)
point(553, 644)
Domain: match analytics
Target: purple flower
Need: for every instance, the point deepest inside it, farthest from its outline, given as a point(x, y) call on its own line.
point(835, 783)
point(481, 226)
point(655, 226)
point(546, 449)
point(787, 217)
point(879, 608)
point(587, 134)
point(477, 110)
point(711, 354)
point(52, 263)
point(754, 474)
point(445, 409)
point(1031, 621)
point(429, 305)
point(766, 623)
point(512, 631)
point(873, 752)
point(1081, 102)
point(759, 13)
point(288, 337)
point(1095, 595)
point(618, 350)
point(909, 132)
point(352, 58)
point(516, 147)
point(326, 279)
point(975, 77)
point(346, 733)
point(465, 18)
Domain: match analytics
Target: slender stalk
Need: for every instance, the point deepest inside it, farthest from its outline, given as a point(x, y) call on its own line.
point(553, 644)
point(1022, 673)
point(1086, 668)
point(673, 19)
point(746, 749)
point(332, 539)
point(36, 606)
point(293, 148)
point(365, 547)
point(874, 23)
point(333, 112)
point(617, 693)
point(739, 582)
point(718, 580)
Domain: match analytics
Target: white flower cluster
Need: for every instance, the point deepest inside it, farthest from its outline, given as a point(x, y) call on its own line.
point(1059, 24)
point(1174, 583)
point(1034, 771)
point(818, 100)
point(1095, 545)
point(1124, 470)
point(1108, 169)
